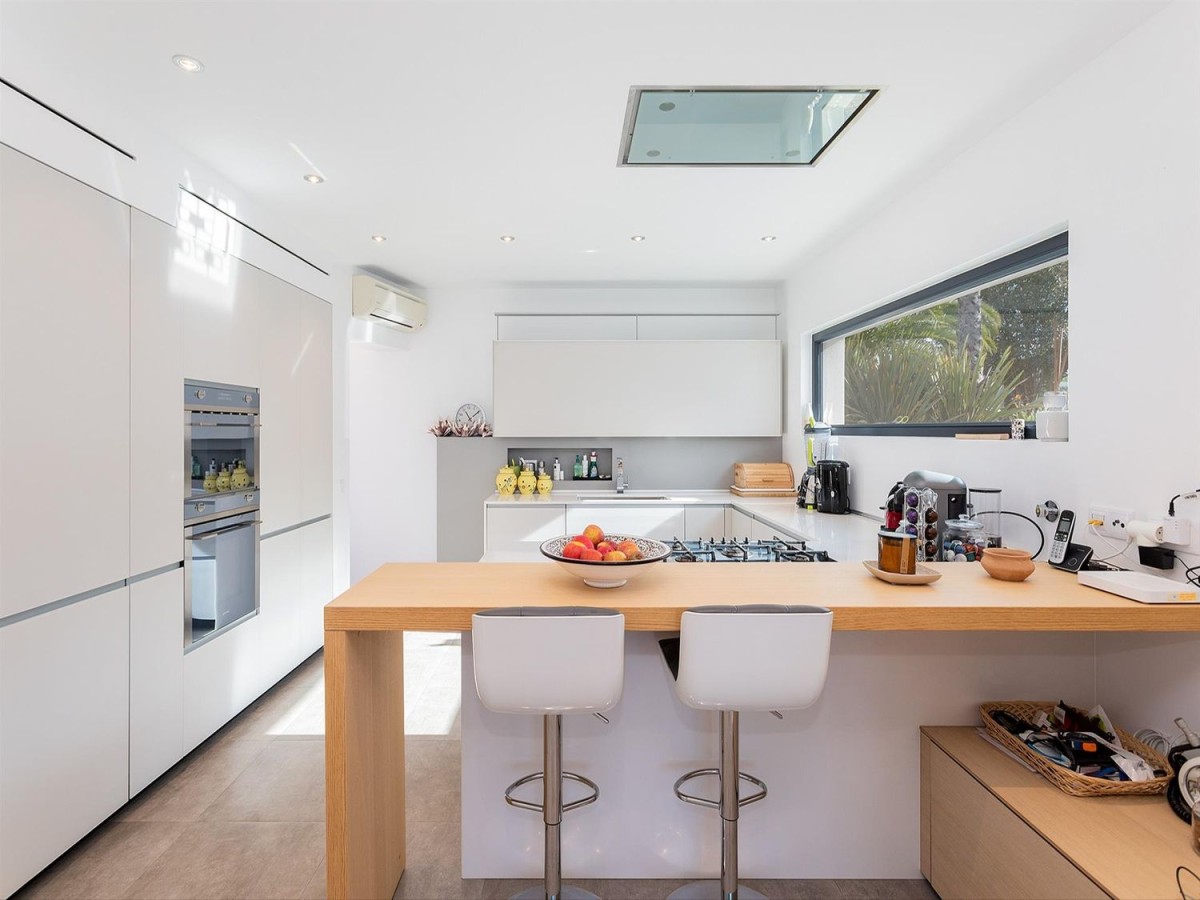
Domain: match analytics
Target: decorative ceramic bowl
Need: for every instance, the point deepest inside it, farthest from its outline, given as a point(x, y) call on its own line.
point(1006, 564)
point(600, 574)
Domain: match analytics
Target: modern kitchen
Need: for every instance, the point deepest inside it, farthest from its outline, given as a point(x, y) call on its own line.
point(374, 376)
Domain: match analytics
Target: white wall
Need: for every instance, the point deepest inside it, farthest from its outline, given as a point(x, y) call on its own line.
point(1112, 153)
point(400, 385)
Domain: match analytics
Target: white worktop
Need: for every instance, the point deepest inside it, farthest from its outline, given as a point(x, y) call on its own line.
point(843, 537)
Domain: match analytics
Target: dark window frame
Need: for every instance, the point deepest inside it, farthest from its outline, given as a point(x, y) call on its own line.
point(1043, 252)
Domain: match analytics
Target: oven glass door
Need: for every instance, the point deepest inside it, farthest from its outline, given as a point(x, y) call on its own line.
point(221, 577)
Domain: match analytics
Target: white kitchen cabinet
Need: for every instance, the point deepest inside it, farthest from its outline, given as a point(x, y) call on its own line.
point(741, 526)
point(279, 348)
point(64, 386)
point(220, 679)
point(763, 532)
point(64, 729)
point(703, 522)
point(280, 603)
point(316, 567)
point(220, 336)
point(522, 527)
point(160, 284)
point(567, 328)
point(662, 523)
point(745, 400)
point(155, 677)
point(706, 328)
point(316, 407)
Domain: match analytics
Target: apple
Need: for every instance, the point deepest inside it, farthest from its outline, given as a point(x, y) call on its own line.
point(573, 549)
point(614, 556)
point(585, 540)
point(594, 533)
point(591, 555)
point(630, 549)
point(606, 547)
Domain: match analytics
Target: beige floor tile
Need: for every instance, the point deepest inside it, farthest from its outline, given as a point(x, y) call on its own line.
point(885, 889)
point(424, 882)
point(284, 783)
point(315, 889)
point(105, 863)
point(796, 889)
point(186, 791)
point(235, 860)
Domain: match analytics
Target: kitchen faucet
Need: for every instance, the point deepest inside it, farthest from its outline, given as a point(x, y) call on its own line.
point(620, 477)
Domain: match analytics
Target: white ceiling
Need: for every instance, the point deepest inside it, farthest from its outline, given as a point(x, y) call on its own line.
point(446, 124)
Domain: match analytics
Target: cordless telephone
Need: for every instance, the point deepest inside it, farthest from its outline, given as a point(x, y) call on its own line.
point(1062, 537)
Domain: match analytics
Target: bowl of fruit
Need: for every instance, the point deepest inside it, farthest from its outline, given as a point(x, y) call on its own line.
point(604, 561)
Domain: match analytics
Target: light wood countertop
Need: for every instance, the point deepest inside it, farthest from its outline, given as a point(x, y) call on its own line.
point(443, 596)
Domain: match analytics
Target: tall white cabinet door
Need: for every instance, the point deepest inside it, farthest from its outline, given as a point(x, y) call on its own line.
point(155, 677)
point(663, 523)
point(64, 730)
point(316, 407)
point(703, 522)
point(220, 332)
point(280, 605)
point(279, 349)
point(64, 385)
point(741, 526)
point(161, 284)
point(316, 555)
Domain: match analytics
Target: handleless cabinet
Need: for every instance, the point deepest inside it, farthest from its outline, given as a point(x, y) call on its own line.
point(64, 385)
point(316, 407)
point(280, 348)
point(741, 526)
point(522, 527)
point(220, 333)
point(316, 572)
point(64, 730)
point(280, 605)
point(155, 677)
point(704, 522)
point(659, 522)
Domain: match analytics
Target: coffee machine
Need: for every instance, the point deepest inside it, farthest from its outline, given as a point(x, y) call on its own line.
point(833, 486)
point(951, 494)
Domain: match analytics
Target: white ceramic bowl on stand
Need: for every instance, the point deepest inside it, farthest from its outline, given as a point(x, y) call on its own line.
point(600, 574)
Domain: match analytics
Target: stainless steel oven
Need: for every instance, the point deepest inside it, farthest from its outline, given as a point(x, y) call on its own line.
point(221, 511)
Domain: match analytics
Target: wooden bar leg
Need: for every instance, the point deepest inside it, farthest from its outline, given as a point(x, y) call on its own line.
point(364, 763)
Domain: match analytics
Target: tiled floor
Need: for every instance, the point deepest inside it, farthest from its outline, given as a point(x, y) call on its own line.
point(243, 815)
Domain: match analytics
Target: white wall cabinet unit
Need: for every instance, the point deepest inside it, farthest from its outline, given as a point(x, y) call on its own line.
point(220, 336)
point(706, 328)
point(704, 522)
point(64, 741)
point(160, 286)
point(762, 532)
point(220, 679)
point(741, 526)
point(567, 328)
point(522, 527)
point(316, 572)
point(64, 385)
point(536, 388)
point(659, 522)
point(155, 677)
point(279, 346)
point(316, 407)
point(280, 605)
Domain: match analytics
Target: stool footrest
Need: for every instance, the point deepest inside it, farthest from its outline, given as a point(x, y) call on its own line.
point(539, 807)
point(713, 804)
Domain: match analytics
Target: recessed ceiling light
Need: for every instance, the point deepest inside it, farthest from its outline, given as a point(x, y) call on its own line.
point(379, 238)
point(589, 251)
point(793, 153)
point(313, 178)
point(666, 107)
point(653, 153)
point(638, 238)
point(767, 238)
point(507, 238)
point(188, 63)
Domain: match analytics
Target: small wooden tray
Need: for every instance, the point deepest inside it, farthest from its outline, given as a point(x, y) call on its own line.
point(925, 575)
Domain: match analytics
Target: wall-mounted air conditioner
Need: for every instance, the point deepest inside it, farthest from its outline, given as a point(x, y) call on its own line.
point(386, 304)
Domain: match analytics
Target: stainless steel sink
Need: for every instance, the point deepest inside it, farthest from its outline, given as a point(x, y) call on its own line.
point(592, 498)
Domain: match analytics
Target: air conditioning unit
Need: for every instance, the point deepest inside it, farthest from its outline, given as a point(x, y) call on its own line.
point(387, 304)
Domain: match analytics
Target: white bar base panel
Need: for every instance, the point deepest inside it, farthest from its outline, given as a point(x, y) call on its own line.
point(844, 774)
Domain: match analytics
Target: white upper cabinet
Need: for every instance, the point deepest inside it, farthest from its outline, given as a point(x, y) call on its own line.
point(279, 347)
point(706, 328)
point(220, 332)
point(161, 285)
point(64, 385)
point(567, 328)
point(649, 388)
point(316, 407)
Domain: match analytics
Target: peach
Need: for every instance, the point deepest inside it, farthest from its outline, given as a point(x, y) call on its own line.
point(606, 547)
point(573, 549)
point(630, 549)
point(614, 556)
point(591, 555)
point(594, 533)
point(585, 540)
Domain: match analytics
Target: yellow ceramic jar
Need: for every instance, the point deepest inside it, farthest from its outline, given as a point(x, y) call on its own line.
point(240, 479)
point(527, 482)
point(545, 484)
point(210, 482)
point(506, 482)
point(224, 482)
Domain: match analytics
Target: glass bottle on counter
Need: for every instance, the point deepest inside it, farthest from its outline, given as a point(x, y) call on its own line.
point(593, 467)
point(578, 472)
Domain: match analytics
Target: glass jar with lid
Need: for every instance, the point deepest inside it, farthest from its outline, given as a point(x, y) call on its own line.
point(963, 540)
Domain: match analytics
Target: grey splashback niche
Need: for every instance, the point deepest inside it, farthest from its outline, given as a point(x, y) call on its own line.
point(466, 474)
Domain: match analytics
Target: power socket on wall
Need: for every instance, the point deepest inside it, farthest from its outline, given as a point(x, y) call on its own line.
point(1112, 520)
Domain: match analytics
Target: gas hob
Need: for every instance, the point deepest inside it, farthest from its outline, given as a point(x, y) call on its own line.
point(746, 550)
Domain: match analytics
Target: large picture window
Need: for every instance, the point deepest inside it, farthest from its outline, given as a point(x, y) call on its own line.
point(965, 355)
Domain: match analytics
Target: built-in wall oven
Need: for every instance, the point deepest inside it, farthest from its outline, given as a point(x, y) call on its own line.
point(221, 511)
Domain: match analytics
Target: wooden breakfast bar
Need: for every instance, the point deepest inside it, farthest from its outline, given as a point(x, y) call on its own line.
point(364, 671)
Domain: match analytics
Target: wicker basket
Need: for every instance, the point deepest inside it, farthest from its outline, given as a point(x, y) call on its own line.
point(1063, 778)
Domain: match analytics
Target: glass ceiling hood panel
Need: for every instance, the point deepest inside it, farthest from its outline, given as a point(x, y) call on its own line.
point(735, 126)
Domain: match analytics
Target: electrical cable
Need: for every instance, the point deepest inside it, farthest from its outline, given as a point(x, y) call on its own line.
point(1128, 543)
point(1153, 739)
point(1186, 495)
point(1005, 512)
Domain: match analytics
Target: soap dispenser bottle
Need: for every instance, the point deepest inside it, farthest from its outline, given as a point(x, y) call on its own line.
point(593, 467)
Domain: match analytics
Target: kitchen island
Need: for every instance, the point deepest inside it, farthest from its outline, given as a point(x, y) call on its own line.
point(364, 665)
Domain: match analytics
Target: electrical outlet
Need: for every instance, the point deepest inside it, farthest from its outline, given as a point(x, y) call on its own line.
point(1111, 520)
point(1177, 530)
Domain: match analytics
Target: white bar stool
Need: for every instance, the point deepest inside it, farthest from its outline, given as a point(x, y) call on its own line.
point(762, 657)
point(550, 661)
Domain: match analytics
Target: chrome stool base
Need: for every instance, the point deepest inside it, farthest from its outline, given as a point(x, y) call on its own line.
point(711, 890)
point(568, 892)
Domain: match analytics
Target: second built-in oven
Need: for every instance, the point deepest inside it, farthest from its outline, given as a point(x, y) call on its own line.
point(221, 509)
